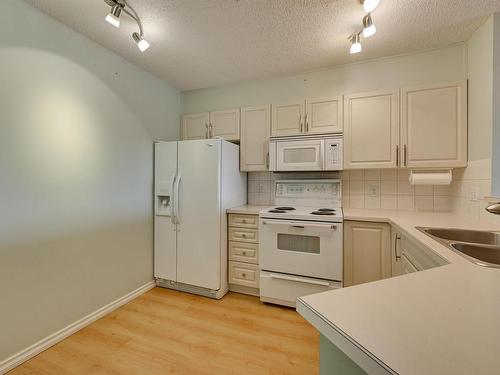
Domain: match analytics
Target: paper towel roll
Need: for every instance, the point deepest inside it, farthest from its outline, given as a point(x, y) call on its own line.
point(430, 178)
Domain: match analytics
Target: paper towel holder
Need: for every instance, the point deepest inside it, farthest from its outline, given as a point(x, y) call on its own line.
point(430, 176)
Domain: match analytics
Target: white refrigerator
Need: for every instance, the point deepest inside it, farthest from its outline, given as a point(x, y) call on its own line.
point(195, 182)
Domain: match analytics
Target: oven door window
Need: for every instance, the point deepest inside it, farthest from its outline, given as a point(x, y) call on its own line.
point(299, 243)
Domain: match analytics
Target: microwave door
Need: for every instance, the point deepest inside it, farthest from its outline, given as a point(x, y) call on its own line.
point(300, 155)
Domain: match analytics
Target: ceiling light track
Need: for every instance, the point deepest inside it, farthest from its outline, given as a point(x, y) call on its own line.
point(119, 6)
point(368, 29)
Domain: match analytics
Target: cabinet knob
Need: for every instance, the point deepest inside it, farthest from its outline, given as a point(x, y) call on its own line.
point(244, 221)
point(244, 235)
point(244, 253)
point(244, 274)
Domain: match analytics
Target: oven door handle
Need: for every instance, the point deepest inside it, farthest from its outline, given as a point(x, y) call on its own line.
point(304, 281)
point(300, 225)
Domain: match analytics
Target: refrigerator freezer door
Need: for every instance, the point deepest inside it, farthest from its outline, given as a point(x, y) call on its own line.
point(199, 216)
point(165, 230)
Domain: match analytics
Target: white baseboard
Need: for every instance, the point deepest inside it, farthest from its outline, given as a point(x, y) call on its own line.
point(31, 351)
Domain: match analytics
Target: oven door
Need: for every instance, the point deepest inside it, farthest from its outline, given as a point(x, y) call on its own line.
point(301, 248)
point(300, 155)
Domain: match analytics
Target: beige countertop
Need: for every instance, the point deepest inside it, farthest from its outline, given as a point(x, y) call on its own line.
point(247, 209)
point(444, 320)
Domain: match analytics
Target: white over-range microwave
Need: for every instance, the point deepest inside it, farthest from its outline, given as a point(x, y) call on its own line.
point(306, 154)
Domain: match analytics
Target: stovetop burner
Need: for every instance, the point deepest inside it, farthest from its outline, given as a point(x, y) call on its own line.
point(326, 210)
point(319, 212)
point(285, 208)
point(277, 211)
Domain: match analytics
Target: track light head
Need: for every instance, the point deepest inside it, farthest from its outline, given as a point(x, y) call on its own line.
point(355, 44)
point(369, 5)
point(142, 43)
point(113, 16)
point(369, 28)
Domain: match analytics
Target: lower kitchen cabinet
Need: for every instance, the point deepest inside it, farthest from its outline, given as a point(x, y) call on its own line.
point(408, 256)
point(243, 253)
point(367, 252)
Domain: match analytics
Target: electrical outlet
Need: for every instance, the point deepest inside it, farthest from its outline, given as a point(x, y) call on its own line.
point(373, 190)
point(474, 194)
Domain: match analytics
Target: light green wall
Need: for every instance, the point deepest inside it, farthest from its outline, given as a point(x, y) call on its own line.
point(76, 129)
point(431, 66)
point(480, 74)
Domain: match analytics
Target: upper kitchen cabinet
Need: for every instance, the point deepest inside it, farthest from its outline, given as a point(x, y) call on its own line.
point(195, 125)
point(224, 124)
point(287, 119)
point(311, 116)
point(434, 125)
point(254, 145)
point(324, 115)
point(371, 131)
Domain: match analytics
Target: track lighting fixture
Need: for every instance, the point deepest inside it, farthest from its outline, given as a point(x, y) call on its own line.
point(113, 17)
point(119, 6)
point(370, 5)
point(355, 43)
point(369, 28)
point(143, 44)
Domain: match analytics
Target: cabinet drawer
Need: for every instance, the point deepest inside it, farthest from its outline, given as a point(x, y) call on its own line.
point(244, 274)
point(244, 235)
point(244, 252)
point(244, 221)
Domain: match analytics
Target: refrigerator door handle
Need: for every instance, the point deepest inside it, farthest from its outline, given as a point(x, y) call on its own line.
point(172, 200)
point(176, 197)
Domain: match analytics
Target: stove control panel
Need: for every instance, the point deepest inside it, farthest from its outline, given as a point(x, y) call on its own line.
point(308, 189)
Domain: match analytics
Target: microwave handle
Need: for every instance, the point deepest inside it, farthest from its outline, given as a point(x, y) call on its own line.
point(291, 278)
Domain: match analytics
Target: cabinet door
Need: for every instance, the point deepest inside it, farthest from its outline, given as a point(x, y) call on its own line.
point(195, 125)
point(396, 256)
point(225, 124)
point(371, 130)
point(367, 252)
point(434, 125)
point(324, 115)
point(254, 145)
point(287, 119)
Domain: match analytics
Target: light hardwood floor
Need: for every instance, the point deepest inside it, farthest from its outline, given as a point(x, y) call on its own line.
point(168, 332)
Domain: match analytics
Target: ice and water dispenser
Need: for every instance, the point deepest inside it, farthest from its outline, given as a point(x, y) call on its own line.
point(163, 193)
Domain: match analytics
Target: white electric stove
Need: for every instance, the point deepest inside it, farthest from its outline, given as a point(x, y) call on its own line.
point(301, 240)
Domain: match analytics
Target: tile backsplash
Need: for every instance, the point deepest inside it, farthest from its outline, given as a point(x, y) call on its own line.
point(471, 187)
point(390, 189)
point(370, 188)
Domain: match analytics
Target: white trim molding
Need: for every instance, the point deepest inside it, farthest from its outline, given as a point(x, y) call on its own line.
point(38, 347)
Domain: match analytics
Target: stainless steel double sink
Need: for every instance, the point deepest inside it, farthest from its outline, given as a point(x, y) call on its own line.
point(480, 247)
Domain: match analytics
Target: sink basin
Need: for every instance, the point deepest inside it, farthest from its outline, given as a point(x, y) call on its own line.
point(465, 235)
point(482, 255)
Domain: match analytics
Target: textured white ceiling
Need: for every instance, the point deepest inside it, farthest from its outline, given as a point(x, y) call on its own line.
point(206, 43)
